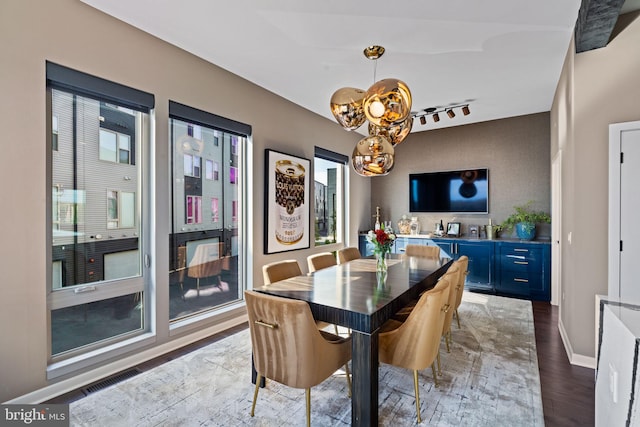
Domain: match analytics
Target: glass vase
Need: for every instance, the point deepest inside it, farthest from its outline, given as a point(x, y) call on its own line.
point(381, 261)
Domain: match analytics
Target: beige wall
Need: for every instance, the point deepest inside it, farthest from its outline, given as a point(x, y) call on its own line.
point(75, 35)
point(516, 151)
point(597, 88)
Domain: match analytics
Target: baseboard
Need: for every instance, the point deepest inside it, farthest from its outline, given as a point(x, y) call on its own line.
point(575, 359)
point(51, 391)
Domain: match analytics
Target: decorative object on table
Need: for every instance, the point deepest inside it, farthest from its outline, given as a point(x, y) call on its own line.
point(414, 226)
point(453, 229)
point(524, 220)
point(490, 230)
point(439, 231)
point(404, 225)
point(387, 106)
point(382, 244)
point(474, 231)
point(286, 208)
point(377, 217)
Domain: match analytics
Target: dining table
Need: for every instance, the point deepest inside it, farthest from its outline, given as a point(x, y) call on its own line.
point(358, 296)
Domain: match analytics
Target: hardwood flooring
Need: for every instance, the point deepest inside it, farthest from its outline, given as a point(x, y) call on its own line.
point(568, 392)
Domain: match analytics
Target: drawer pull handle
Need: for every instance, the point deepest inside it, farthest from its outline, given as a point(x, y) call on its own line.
point(521, 250)
point(520, 280)
point(521, 262)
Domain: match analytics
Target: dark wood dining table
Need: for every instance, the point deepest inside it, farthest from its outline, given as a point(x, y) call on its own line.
point(354, 295)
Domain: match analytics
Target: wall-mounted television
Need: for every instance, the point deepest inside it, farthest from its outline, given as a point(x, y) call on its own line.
point(461, 191)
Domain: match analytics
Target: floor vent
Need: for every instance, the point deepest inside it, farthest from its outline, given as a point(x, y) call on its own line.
point(111, 380)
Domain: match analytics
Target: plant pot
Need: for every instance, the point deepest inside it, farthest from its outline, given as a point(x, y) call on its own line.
point(526, 230)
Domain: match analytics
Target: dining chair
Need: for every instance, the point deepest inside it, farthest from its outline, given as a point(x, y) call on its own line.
point(414, 343)
point(281, 270)
point(423, 251)
point(348, 254)
point(453, 275)
point(463, 263)
point(288, 348)
point(319, 261)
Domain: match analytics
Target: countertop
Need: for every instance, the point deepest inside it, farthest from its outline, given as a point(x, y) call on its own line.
point(471, 239)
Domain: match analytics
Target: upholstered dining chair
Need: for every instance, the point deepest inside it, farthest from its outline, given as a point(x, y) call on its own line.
point(463, 263)
point(319, 261)
point(288, 348)
point(348, 254)
point(423, 251)
point(453, 275)
point(281, 270)
point(414, 343)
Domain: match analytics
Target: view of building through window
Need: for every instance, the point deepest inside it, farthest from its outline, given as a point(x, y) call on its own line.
point(328, 200)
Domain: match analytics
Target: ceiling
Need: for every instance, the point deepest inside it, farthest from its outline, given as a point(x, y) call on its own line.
point(502, 57)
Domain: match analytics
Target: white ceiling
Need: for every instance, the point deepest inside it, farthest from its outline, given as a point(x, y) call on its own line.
point(503, 57)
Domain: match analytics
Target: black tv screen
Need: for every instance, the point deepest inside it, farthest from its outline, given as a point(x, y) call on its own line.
point(463, 191)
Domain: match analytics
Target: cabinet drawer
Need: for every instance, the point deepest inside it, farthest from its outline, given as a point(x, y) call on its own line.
point(520, 284)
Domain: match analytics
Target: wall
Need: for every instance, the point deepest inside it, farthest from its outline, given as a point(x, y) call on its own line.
point(516, 151)
point(73, 34)
point(596, 88)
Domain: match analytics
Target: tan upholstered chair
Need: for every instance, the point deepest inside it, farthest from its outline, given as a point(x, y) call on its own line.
point(463, 263)
point(453, 275)
point(319, 261)
point(288, 348)
point(423, 251)
point(280, 270)
point(348, 254)
point(414, 343)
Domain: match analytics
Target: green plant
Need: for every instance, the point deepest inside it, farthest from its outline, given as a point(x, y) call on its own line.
point(524, 213)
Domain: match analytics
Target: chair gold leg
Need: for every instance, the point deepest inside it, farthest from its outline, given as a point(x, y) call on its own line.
point(307, 393)
point(346, 368)
point(458, 318)
point(255, 394)
point(446, 341)
point(435, 377)
point(415, 386)
point(438, 359)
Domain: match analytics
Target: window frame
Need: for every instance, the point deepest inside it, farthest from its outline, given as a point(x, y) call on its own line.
point(341, 218)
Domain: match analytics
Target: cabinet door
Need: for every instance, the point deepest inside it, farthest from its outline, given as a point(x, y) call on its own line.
point(400, 245)
point(480, 258)
point(366, 248)
point(447, 246)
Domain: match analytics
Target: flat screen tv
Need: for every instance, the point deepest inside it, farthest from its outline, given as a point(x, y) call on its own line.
point(461, 191)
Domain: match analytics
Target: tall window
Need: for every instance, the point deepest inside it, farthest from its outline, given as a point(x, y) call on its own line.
point(98, 295)
point(329, 183)
point(206, 262)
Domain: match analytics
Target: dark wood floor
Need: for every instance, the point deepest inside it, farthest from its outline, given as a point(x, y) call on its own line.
point(568, 392)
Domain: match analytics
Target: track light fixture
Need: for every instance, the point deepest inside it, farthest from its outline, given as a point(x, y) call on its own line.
point(435, 112)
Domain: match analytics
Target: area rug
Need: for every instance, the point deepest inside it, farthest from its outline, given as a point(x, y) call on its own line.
point(490, 378)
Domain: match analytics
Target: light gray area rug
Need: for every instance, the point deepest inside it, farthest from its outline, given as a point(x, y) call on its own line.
point(490, 378)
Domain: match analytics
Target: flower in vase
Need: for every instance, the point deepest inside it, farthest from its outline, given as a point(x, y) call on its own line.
point(381, 240)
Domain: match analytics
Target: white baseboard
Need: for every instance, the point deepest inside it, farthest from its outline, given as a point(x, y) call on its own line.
point(575, 359)
point(49, 392)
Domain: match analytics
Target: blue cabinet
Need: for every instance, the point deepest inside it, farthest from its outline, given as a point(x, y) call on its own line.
point(509, 268)
point(524, 270)
point(480, 254)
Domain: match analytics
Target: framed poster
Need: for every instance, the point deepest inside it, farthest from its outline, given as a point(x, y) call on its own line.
point(286, 208)
point(453, 229)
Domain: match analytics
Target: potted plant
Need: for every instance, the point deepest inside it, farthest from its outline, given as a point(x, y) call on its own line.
point(524, 220)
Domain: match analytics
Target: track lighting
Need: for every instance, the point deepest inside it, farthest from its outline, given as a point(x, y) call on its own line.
point(435, 112)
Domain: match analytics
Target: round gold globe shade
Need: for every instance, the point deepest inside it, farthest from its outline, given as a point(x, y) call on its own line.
point(387, 102)
point(373, 156)
point(396, 133)
point(346, 107)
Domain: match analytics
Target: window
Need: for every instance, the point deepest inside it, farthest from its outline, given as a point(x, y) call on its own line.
point(194, 209)
point(329, 184)
point(54, 133)
point(97, 126)
point(115, 147)
point(206, 264)
point(192, 165)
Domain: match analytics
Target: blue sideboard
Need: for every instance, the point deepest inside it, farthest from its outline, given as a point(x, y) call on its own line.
point(504, 267)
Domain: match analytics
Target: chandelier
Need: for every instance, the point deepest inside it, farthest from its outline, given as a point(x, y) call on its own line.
point(387, 107)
